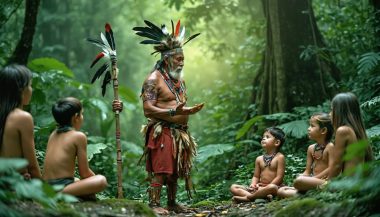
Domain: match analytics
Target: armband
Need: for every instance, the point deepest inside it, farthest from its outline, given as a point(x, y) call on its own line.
point(172, 112)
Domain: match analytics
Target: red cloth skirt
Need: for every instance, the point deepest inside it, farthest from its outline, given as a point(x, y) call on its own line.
point(160, 152)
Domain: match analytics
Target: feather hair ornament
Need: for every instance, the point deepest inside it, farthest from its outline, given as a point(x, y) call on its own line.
point(163, 41)
point(107, 44)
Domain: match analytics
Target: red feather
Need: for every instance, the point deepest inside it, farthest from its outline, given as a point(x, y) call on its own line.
point(108, 27)
point(177, 28)
point(97, 58)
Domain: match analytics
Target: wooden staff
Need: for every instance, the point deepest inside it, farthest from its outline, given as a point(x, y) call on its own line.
point(107, 43)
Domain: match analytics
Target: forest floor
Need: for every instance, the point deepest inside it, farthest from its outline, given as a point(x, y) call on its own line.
point(302, 206)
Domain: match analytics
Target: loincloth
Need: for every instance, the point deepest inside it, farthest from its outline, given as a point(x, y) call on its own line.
point(61, 181)
point(169, 149)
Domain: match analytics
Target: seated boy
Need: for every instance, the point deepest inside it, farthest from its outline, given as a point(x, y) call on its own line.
point(269, 169)
point(65, 145)
point(320, 130)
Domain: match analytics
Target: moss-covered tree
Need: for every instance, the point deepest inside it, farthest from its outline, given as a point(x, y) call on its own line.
point(295, 68)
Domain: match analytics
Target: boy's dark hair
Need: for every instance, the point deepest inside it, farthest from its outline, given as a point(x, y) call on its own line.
point(324, 120)
point(64, 109)
point(278, 134)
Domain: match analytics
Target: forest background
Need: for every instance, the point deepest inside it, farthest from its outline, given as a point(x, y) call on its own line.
point(226, 67)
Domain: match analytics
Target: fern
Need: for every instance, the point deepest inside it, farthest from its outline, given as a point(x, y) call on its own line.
point(372, 102)
point(296, 128)
point(368, 62)
point(373, 131)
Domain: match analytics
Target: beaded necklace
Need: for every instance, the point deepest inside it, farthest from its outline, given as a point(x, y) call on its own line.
point(318, 147)
point(178, 88)
point(268, 158)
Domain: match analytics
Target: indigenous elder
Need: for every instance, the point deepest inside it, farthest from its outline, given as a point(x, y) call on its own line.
point(169, 148)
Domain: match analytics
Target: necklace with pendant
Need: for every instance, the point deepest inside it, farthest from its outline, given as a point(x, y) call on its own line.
point(177, 89)
point(268, 158)
point(318, 147)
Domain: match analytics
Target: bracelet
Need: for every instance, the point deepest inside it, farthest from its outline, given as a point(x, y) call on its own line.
point(171, 112)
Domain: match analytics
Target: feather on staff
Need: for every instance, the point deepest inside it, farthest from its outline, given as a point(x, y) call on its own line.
point(107, 43)
point(110, 72)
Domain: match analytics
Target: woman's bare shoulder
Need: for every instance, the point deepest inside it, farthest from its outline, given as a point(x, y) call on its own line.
point(20, 116)
point(344, 130)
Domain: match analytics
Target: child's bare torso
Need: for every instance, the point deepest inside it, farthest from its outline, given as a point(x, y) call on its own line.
point(268, 173)
point(320, 159)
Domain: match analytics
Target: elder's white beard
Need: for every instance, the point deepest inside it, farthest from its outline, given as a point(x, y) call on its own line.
point(177, 73)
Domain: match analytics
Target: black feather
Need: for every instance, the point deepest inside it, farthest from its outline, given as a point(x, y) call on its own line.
point(149, 35)
point(106, 80)
point(191, 38)
point(153, 27)
point(150, 42)
point(110, 39)
point(172, 27)
point(95, 41)
point(99, 73)
point(141, 29)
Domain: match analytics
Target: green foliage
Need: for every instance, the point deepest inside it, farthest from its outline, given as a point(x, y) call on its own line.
point(355, 150)
point(213, 150)
point(295, 128)
point(47, 64)
point(247, 125)
point(373, 131)
point(301, 207)
point(368, 62)
point(13, 186)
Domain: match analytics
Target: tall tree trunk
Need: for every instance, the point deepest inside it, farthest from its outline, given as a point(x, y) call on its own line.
point(285, 80)
point(376, 25)
point(24, 46)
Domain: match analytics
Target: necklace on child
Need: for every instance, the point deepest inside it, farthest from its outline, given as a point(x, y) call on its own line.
point(268, 158)
point(63, 129)
point(318, 147)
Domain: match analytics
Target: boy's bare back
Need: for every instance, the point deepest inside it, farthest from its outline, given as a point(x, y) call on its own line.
point(62, 151)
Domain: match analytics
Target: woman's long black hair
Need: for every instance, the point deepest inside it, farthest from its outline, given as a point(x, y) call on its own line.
point(13, 80)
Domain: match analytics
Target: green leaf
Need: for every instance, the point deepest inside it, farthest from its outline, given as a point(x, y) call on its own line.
point(94, 149)
point(247, 125)
point(373, 131)
point(128, 94)
point(355, 150)
point(297, 129)
point(7, 164)
point(47, 64)
point(368, 62)
point(101, 105)
point(132, 148)
point(212, 150)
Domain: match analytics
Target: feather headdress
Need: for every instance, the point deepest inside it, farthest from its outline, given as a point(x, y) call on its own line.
point(107, 43)
point(163, 41)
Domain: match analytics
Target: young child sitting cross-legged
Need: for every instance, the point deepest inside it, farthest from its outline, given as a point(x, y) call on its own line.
point(320, 130)
point(269, 169)
point(65, 145)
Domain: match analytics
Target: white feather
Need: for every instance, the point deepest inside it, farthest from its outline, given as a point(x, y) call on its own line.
point(105, 40)
point(182, 35)
point(164, 30)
